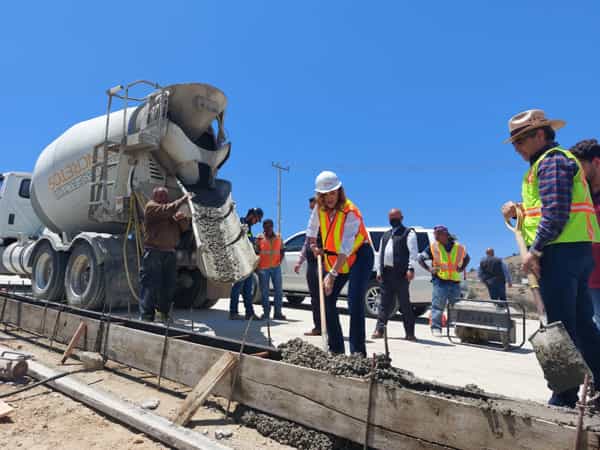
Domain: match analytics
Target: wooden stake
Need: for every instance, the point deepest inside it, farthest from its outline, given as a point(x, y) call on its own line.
point(5, 409)
point(196, 398)
point(78, 332)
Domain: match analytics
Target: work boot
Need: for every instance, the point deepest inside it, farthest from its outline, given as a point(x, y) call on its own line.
point(378, 334)
point(279, 317)
point(313, 332)
point(411, 338)
point(235, 317)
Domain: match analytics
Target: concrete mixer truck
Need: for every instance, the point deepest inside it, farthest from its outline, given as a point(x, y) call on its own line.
point(75, 225)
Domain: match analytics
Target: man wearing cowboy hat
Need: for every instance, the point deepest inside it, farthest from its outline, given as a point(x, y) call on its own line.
point(559, 227)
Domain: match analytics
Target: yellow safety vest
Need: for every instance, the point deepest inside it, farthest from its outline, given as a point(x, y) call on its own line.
point(332, 233)
point(582, 225)
point(446, 265)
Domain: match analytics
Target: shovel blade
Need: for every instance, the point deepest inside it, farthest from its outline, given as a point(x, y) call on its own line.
point(564, 367)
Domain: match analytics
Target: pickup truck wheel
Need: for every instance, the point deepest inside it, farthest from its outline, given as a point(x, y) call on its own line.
point(373, 300)
point(84, 278)
point(419, 310)
point(295, 299)
point(256, 292)
point(48, 273)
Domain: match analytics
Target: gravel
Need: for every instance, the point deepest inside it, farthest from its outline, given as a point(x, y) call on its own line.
point(292, 434)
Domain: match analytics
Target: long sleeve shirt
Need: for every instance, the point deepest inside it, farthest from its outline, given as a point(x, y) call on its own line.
point(349, 232)
point(388, 252)
point(162, 231)
point(555, 180)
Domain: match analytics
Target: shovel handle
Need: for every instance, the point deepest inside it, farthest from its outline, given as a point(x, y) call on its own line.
point(322, 302)
point(534, 284)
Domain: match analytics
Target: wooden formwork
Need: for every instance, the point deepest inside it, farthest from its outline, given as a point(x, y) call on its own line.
point(400, 417)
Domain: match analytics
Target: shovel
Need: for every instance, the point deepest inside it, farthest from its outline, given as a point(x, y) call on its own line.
point(322, 303)
point(563, 366)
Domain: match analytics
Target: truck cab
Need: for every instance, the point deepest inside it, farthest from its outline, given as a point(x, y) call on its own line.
point(16, 213)
point(17, 218)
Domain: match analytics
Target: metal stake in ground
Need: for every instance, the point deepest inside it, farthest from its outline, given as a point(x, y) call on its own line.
point(238, 367)
point(165, 343)
point(582, 406)
point(385, 341)
point(370, 397)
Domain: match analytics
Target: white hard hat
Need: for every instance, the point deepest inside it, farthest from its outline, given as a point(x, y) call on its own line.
point(327, 181)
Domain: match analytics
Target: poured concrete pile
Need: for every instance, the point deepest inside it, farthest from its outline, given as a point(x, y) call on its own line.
point(292, 434)
point(301, 353)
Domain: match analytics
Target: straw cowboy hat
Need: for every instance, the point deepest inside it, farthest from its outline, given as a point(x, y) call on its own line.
point(530, 120)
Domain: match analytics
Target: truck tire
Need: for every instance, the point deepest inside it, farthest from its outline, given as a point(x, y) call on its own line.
point(372, 301)
point(84, 278)
point(191, 290)
point(48, 273)
point(419, 310)
point(295, 299)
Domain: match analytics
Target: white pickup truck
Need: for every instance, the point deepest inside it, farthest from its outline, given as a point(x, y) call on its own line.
point(295, 288)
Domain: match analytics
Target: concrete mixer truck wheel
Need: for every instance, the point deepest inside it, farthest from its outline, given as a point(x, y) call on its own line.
point(48, 272)
point(191, 290)
point(84, 278)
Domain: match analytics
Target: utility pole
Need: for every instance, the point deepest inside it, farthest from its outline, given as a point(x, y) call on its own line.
point(279, 168)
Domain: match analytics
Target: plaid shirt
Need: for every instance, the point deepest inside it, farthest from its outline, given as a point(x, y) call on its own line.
point(555, 178)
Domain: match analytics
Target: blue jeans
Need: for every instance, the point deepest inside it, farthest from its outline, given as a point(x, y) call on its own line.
point(566, 269)
point(595, 293)
point(158, 282)
point(358, 278)
point(273, 274)
point(443, 292)
point(245, 287)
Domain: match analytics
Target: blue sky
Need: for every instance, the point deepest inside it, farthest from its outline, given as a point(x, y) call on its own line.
point(407, 101)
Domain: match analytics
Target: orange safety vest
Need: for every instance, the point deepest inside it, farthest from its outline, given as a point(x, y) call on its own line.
point(332, 232)
point(447, 264)
point(269, 251)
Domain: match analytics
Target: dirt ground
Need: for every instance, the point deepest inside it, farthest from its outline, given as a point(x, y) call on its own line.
point(46, 419)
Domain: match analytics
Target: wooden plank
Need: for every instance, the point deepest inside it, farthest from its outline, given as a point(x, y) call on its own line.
point(196, 398)
point(5, 408)
point(71, 347)
point(401, 418)
point(145, 421)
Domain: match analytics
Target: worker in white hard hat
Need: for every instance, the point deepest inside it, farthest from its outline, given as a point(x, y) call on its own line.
point(348, 256)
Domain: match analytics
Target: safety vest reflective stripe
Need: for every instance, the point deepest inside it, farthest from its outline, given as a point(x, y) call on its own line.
point(332, 234)
point(269, 252)
point(447, 265)
point(582, 225)
point(575, 207)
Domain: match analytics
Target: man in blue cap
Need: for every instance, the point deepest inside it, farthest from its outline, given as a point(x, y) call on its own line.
point(449, 259)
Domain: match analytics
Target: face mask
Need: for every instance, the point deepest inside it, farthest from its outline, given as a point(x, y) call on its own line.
point(395, 223)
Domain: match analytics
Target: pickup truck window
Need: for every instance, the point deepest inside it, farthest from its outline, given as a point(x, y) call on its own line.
point(295, 244)
point(24, 188)
point(376, 239)
point(422, 241)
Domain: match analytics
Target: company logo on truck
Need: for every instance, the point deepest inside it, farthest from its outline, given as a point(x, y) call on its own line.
point(72, 176)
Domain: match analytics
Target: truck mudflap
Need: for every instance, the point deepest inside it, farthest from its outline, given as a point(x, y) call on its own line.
point(225, 254)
